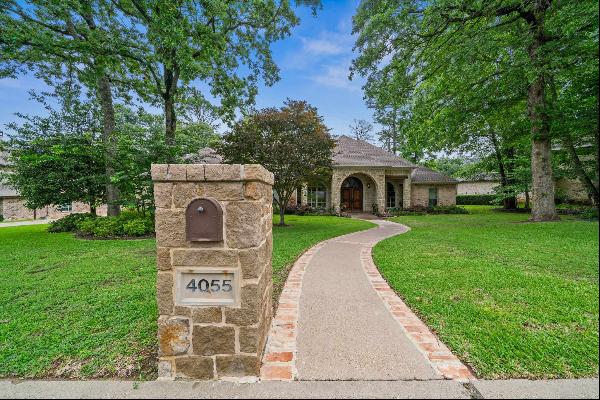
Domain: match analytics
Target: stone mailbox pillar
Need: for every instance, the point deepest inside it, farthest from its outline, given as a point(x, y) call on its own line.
point(214, 281)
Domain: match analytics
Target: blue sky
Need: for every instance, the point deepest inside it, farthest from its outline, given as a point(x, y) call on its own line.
point(313, 62)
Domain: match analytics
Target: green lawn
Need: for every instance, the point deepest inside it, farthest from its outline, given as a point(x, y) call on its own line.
point(81, 309)
point(511, 298)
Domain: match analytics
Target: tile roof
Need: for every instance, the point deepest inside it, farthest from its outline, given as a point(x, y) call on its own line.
point(350, 152)
point(426, 175)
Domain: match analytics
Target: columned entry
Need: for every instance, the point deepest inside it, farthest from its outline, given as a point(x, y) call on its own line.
point(352, 194)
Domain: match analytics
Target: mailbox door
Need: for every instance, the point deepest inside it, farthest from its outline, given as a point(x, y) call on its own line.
point(204, 221)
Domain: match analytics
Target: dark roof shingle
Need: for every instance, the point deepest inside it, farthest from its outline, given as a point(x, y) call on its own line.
point(350, 152)
point(426, 175)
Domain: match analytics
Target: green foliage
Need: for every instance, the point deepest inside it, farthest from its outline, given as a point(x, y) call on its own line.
point(59, 158)
point(476, 199)
point(589, 214)
point(491, 79)
point(69, 223)
point(493, 288)
point(397, 211)
point(109, 288)
point(126, 224)
point(292, 142)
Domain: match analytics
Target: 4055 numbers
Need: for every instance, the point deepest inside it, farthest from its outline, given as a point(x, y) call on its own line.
point(215, 285)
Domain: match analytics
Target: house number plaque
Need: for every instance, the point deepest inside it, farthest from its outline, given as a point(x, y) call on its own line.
point(207, 287)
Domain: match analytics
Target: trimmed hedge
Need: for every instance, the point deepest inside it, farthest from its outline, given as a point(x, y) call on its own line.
point(69, 222)
point(394, 211)
point(127, 224)
point(475, 199)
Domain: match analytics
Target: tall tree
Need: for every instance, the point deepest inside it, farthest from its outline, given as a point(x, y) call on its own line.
point(292, 142)
point(470, 46)
point(362, 130)
point(222, 44)
point(54, 38)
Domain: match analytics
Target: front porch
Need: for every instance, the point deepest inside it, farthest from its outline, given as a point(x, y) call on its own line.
point(361, 190)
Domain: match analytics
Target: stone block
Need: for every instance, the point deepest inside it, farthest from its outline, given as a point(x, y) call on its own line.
point(223, 172)
point(195, 172)
point(163, 194)
point(250, 310)
point(256, 172)
point(257, 191)
point(224, 191)
point(163, 258)
point(243, 224)
point(249, 339)
point(254, 260)
point(177, 172)
point(238, 365)
point(184, 193)
point(158, 172)
point(164, 293)
point(190, 367)
point(206, 315)
point(211, 340)
point(165, 369)
point(173, 336)
point(170, 228)
point(205, 257)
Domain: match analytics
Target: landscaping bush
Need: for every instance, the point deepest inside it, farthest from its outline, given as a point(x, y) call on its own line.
point(589, 214)
point(447, 210)
point(128, 223)
point(1, 217)
point(476, 199)
point(69, 222)
point(305, 209)
point(419, 210)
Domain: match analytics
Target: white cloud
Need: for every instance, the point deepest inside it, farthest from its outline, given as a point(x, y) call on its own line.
point(336, 75)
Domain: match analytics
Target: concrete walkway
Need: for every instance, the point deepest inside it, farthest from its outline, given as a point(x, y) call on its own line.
point(558, 389)
point(345, 332)
point(24, 223)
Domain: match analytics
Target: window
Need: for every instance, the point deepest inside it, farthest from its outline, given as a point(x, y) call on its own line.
point(299, 196)
point(433, 197)
point(67, 207)
point(317, 197)
point(391, 196)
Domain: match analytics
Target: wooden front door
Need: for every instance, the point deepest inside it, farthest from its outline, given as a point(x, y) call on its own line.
point(352, 196)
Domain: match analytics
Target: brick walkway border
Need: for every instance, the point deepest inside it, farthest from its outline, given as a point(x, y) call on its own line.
point(438, 354)
point(279, 360)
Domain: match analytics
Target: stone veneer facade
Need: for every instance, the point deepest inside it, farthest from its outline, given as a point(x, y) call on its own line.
point(214, 342)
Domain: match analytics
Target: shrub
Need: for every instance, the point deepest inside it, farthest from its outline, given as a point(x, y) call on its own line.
point(448, 210)
point(69, 222)
point(129, 223)
point(590, 214)
point(475, 199)
point(1, 217)
point(138, 227)
point(420, 210)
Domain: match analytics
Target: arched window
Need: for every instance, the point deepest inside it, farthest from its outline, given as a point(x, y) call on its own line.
point(352, 183)
point(390, 195)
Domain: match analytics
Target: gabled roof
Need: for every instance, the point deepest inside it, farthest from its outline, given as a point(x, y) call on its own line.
point(350, 152)
point(426, 175)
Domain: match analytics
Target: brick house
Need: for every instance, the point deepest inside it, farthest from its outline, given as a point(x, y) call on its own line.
point(366, 177)
point(12, 204)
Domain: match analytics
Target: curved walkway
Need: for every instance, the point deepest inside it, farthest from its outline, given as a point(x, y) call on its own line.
point(339, 320)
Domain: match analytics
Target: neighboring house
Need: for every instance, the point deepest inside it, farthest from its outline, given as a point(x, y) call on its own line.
point(367, 178)
point(12, 204)
point(482, 184)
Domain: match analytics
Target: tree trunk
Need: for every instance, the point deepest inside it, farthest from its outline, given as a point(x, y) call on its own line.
point(511, 202)
point(527, 205)
point(579, 170)
point(281, 215)
point(171, 81)
point(110, 144)
point(92, 210)
point(541, 156)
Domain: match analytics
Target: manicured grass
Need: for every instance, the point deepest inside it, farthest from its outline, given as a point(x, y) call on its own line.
point(510, 298)
point(74, 308)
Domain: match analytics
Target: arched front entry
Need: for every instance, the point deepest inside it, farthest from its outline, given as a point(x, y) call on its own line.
point(352, 194)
